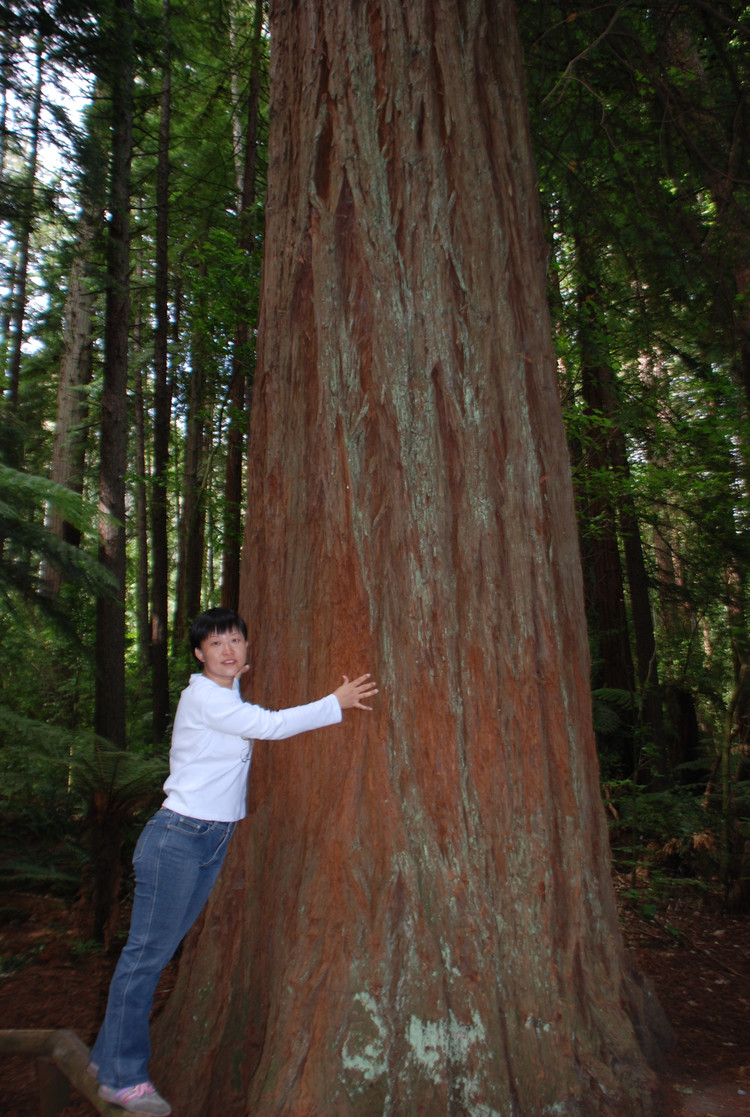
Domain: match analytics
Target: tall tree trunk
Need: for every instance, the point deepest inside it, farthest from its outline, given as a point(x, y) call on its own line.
point(69, 448)
point(192, 519)
point(109, 694)
point(611, 517)
point(418, 916)
point(142, 611)
point(7, 44)
point(162, 414)
point(242, 362)
point(651, 714)
point(611, 627)
point(76, 363)
point(11, 436)
point(8, 276)
point(109, 717)
point(236, 438)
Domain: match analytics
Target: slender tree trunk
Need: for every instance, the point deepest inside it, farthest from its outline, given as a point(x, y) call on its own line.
point(236, 31)
point(142, 466)
point(418, 916)
point(243, 354)
point(609, 615)
point(109, 717)
point(12, 448)
point(192, 520)
point(651, 714)
point(109, 697)
point(143, 625)
point(162, 414)
point(72, 429)
point(236, 440)
point(606, 610)
point(610, 516)
point(6, 46)
point(6, 56)
point(76, 365)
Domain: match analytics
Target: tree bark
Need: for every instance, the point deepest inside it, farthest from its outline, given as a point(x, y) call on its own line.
point(242, 358)
point(109, 713)
point(162, 414)
point(609, 616)
point(7, 47)
point(193, 514)
point(69, 448)
point(610, 518)
point(12, 436)
point(142, 581)
point(418, 915)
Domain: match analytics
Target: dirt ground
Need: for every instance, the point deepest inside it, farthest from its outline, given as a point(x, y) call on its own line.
point(697, 957)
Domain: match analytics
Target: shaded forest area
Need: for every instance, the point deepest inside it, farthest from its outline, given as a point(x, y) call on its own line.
point(133, 176)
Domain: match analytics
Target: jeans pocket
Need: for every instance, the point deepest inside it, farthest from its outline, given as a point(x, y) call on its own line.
point(193, 827)
point(140, 845)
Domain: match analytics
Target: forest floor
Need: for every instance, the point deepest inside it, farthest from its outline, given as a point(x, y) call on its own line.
point(697, 957)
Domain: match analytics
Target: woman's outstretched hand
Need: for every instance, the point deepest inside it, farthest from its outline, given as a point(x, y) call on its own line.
point(350, 694)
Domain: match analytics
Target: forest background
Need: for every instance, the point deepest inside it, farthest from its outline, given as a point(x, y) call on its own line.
point(132, 237)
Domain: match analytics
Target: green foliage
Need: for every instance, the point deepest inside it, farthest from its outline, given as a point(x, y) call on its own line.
point(60, 784)
point(54, 785)
point(669, 835)
point(14, 963)
point(612, 712)
point(661, 836)
point(28, 545)
point(639, 117)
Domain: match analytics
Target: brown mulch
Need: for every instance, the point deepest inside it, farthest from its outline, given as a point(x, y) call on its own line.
point(697, 957)
point(62, 983)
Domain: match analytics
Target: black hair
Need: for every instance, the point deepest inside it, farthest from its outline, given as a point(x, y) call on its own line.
point(215, 622)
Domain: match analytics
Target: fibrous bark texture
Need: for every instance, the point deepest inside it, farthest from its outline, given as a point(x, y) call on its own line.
point(417, 916)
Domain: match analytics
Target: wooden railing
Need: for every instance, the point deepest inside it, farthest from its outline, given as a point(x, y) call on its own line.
point(62, 1060)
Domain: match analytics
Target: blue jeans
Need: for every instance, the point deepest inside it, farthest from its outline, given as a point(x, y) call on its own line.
point(176, 861)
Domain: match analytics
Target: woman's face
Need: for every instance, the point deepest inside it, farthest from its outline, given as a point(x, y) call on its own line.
point(223, 655)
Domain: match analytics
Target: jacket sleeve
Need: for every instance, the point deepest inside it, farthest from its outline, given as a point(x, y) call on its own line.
point(227, 713)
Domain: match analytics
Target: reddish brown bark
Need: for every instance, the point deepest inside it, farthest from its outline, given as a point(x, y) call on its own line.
point(417, 916)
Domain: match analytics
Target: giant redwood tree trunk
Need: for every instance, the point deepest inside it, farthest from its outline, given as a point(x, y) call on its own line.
point(417, 916)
